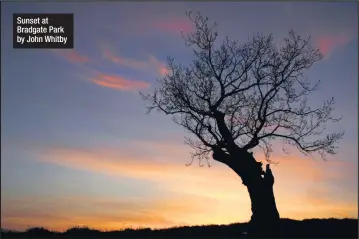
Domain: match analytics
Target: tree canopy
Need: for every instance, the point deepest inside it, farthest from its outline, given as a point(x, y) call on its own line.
point(245, 94)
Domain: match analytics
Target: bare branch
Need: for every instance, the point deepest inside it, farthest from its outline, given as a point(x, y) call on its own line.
point(245, 95)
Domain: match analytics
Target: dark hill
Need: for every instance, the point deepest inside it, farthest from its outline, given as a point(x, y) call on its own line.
point(309, 228)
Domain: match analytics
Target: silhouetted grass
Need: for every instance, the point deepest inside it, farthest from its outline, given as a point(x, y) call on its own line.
point(309, 228)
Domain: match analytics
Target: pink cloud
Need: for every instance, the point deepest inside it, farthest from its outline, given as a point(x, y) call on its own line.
point(139, 65)
point(174, 25)
point(160, 66)
point(72, 55)
point(118, 82)
point(327, 43)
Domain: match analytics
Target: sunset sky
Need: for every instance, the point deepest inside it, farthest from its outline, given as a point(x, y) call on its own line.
point(78, 149)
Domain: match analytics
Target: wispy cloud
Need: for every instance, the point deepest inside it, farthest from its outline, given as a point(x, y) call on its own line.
point(149, 65)
point(118, 82)
point(126, 62)
point(173, 25)
point(71, 55)
point(165, 160)
point(328, 43)
point(146, 160)
point(159, 66)
point(104, 79)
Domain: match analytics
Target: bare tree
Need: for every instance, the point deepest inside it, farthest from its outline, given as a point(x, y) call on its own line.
point(235, 97)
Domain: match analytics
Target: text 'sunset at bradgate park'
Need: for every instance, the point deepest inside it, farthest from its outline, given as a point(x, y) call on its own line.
point(43, 31)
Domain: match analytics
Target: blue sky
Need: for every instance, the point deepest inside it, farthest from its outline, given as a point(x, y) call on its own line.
point(75, 136)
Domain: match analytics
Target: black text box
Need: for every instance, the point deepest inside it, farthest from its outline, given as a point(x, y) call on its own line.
point(43, 30)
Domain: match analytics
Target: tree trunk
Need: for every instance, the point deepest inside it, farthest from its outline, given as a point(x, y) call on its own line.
point(265, 216)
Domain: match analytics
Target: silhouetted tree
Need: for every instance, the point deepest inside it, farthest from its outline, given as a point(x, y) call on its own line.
point(235, 97)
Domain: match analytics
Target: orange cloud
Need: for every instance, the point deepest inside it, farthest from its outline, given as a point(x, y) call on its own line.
point(162, 165)
point(174, 25)
point(327, 44)
point(164, 161)
point(119, 83)
point(72, 55)
point(150, 64)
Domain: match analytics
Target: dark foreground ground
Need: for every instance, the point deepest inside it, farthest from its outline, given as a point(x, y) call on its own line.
point(310, 228)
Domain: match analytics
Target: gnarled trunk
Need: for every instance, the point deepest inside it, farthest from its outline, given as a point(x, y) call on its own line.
point(265, 216)
point(259, 183)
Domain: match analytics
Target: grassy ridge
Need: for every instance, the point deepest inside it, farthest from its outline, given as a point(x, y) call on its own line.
point(309, 228)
